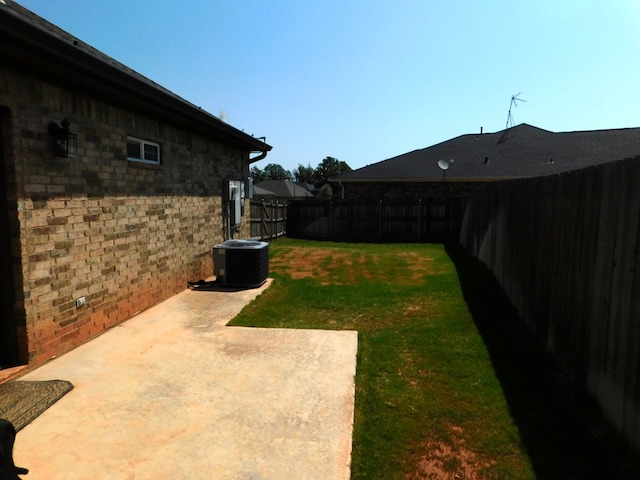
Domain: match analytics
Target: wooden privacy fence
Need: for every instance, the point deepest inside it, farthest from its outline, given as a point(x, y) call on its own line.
point(423, 220)
point(268, 219)
point(566, 250)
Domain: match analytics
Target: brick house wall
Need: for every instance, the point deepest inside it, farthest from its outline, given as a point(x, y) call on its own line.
point(125, 235)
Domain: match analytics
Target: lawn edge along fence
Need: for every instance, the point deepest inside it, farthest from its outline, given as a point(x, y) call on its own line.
point(566, 250)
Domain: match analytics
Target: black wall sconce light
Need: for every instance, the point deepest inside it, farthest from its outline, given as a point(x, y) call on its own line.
point(65, 142)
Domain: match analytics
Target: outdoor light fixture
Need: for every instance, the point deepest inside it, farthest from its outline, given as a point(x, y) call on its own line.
point(65, 142)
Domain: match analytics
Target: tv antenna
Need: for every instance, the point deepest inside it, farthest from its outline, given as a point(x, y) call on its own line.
point(514, 103)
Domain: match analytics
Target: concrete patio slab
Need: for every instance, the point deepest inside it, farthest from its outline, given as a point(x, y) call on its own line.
point(175, 394)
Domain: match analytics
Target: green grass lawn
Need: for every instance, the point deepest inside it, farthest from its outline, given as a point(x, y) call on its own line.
point(446, 384)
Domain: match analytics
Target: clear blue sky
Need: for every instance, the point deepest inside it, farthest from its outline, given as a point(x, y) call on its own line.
point(366, 80)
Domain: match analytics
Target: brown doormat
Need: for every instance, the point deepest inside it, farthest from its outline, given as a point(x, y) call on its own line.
point(21, 402)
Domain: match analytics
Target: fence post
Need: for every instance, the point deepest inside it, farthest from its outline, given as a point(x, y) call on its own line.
point(330, 219)
point(273, 220)
point(419, 220)
point(263, 225)
point(380, 220)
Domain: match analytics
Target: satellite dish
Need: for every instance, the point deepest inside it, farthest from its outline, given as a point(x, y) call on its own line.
point(443, 164)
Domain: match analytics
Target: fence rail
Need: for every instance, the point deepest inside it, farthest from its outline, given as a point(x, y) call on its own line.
point(423, 220)
point(268, 219)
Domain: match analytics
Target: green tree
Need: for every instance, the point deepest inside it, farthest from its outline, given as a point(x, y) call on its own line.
point(257, 174)
point(303, 174)
point(274, 171)
point(326, 192)
point(329, 168)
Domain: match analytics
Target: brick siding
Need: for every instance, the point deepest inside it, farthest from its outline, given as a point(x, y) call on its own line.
point(124, 235)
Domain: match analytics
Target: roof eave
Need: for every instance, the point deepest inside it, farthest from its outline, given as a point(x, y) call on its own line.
point(31, 48)
point(424, 179)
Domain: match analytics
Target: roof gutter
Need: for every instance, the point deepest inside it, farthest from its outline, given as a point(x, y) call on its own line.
point(264, 151)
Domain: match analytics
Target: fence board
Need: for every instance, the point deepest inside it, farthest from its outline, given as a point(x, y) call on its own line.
point(268, 219)
point(421, 220)
point(627, 354)
point(566, 249)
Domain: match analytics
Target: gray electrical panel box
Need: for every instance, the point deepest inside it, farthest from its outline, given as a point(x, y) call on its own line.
point(235, 201)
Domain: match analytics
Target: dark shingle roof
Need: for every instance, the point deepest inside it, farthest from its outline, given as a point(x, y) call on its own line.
point(521, 151)
point(31, 43)
point(283, 189)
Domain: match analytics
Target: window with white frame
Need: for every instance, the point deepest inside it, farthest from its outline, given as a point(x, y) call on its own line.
point(139, 150)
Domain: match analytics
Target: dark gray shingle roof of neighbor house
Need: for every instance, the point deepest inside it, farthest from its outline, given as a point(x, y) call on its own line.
point(283, 189)
point(261, 192)
point(33, 44)
point(521, 151)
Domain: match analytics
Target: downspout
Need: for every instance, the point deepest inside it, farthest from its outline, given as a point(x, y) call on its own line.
point(263, 154)
point(259, 157)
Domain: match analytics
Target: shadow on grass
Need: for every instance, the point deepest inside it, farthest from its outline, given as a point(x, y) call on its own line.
point(562, 429)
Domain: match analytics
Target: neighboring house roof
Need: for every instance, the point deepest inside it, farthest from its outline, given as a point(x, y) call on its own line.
point(282, 189)
point(262, 192)
point(29, 42)
point(309, 186)
point(521, 151)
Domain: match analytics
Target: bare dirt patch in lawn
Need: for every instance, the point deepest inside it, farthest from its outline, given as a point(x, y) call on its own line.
point(301, 263)
point(341, 268)
point(450, 460)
